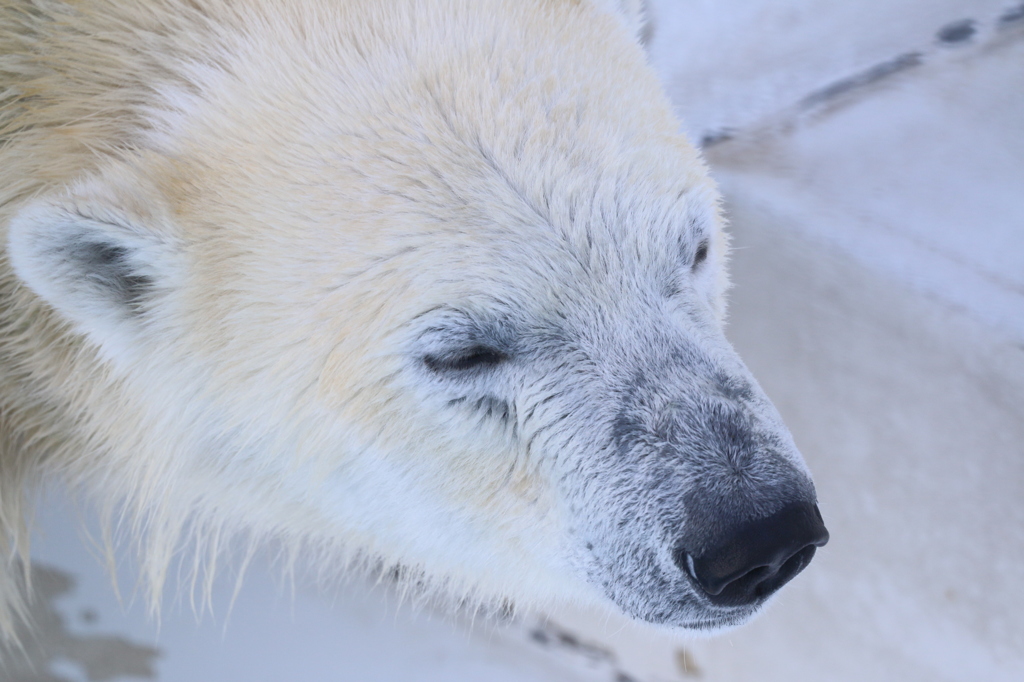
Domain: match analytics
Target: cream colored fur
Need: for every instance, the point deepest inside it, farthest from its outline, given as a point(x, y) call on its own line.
point(301, 185)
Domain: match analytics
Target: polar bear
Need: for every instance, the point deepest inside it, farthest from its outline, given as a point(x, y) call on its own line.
point(427, 283)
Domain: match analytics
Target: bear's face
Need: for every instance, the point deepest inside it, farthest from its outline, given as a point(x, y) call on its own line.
point(467, 318)
point(612, 402)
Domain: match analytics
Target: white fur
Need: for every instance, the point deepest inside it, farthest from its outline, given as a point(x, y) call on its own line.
point(325, 198)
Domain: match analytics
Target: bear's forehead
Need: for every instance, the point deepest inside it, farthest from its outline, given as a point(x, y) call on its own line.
point(382, 128)
point(429, 162)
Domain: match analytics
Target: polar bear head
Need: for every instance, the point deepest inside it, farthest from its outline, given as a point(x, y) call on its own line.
point(437, 285)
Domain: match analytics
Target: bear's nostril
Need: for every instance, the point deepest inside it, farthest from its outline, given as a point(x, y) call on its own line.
point(756, 558)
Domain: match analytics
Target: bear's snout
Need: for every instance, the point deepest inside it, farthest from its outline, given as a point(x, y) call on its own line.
point(751, 561)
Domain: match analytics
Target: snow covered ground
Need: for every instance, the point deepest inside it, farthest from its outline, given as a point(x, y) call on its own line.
point(872, 157)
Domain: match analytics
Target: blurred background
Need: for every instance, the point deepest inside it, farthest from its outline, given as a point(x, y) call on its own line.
point(872, 158)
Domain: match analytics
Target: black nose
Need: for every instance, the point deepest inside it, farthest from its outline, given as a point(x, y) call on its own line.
point(758, 557)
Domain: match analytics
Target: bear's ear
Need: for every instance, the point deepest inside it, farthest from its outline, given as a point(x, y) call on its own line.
point(630, 12)
point(99, 268)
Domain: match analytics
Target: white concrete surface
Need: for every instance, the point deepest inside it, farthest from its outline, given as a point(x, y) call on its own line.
point(921, 178)
point(729, 64)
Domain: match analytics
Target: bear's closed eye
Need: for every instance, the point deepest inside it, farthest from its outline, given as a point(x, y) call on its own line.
point(471, 358)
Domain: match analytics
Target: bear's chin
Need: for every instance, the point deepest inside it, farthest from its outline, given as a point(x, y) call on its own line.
point(692, 615)
point(711, 623)
point(717, 623)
